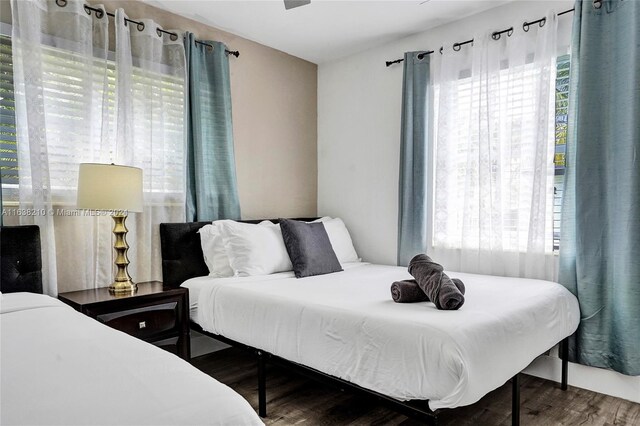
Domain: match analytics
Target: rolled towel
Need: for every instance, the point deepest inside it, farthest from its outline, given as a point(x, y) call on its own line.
point(437, 285)
point(459, 284)
point(407, 291)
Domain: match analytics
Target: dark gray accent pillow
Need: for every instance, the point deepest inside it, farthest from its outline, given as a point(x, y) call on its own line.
point(309, 248)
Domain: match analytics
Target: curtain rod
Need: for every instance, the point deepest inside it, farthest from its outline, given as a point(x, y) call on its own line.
point(140, 26)
point(495, 35)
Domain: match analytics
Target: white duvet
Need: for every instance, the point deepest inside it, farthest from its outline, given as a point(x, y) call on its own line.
point(60, 367)
point(345, 324)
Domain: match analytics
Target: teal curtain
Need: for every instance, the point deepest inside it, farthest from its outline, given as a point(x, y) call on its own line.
point(412, 208)
point(600, 234)
point(212, 189)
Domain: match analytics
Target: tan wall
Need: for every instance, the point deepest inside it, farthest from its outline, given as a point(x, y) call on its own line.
point(274, 98)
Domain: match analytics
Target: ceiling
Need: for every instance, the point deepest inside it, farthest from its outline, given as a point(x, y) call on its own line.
point(325, 30)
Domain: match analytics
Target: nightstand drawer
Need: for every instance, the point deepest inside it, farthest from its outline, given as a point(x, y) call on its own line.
point(145, 322)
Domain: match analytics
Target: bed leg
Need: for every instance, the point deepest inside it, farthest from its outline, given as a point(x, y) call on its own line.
point(262, 385)
point(515, 400)
point(564, 355)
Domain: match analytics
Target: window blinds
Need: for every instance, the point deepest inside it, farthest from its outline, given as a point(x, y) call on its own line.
point(561, 121)
point(8, 148)
point(65, 83)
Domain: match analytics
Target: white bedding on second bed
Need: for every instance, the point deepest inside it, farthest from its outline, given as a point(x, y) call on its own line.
point(346, 324)
point(60, 367)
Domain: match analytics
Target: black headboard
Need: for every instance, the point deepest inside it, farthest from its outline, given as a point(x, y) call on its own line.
point(182, 253)
point(20, 259)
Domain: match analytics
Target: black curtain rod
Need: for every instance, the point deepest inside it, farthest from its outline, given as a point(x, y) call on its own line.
point(420, 56)
point(497, 34)
point(210, 47)
point(140, 26)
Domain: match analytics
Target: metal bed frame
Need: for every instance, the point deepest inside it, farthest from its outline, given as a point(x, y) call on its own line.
point(417, 409)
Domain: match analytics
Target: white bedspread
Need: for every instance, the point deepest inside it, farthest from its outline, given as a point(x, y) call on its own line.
point(346, 324)
point(60, 367)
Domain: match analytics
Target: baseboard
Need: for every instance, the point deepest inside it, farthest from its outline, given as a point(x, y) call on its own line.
point(595, 379)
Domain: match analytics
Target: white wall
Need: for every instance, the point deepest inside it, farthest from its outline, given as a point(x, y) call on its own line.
point(359, 107)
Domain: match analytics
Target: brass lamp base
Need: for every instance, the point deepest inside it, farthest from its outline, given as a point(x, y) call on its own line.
point(126, 287)
point(123, 283)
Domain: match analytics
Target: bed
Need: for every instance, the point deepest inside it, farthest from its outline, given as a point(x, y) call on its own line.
point(344, 328)
point(60, 367)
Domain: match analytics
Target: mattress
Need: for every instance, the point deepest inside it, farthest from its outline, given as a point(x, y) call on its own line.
point(345, 324)
point(60, 367)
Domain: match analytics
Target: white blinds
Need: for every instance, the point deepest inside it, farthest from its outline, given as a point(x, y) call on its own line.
point(8, 149)
point(64, 86)
point(489, 161)
point(561, 122)
point(159, 116)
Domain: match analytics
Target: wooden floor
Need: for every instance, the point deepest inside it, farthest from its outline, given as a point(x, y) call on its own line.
point(292, 399)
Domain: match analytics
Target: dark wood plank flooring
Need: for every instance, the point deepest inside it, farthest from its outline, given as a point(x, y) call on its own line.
point(292, 399)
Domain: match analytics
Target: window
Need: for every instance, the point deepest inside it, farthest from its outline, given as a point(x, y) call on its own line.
point(8, 147)
point(561, 120)
point(496, 187)
point(158, 103)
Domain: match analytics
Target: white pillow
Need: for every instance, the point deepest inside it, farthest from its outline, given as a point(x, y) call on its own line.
point(340, 240)
point(322, 219)
point(255, 249)
point(214, 252)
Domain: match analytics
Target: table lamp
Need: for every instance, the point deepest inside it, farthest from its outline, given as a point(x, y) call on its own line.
point(115, 189)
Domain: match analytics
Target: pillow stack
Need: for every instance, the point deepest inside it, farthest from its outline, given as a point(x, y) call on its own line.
point(233, 248)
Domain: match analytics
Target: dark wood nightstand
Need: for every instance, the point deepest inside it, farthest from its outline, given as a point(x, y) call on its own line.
point(155, 313)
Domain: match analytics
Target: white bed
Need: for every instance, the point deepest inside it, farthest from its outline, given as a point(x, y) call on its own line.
point(346, 325)
point(60, 367)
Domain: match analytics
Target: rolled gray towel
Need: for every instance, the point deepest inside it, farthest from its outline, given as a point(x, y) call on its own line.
point(437, 285)
point(407, 291)
point(459, 284)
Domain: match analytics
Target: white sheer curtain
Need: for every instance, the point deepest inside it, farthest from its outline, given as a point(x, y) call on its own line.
point(151, 76)
point(493, 155)
point(59, 60)
point(78, 102)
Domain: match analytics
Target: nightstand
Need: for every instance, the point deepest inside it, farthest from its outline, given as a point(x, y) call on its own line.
point(155, 313)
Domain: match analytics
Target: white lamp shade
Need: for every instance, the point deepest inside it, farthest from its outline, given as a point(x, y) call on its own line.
point(109, 187)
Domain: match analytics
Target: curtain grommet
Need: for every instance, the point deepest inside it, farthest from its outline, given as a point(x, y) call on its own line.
point(61, 3)
point(99, 12)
